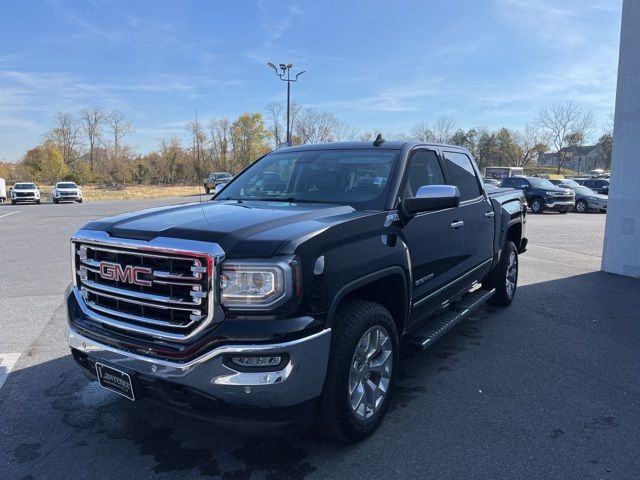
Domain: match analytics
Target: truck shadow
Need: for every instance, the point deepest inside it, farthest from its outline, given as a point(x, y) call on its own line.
point(56, 424)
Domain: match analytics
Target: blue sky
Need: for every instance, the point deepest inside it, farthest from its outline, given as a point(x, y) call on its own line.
point(376, 65)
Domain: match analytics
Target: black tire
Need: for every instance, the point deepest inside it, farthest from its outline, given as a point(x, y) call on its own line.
point(207, 190)
point(80, 200)
point(537, 205)
point(335, 417)
point(582, 206)
point(498, 278)
point(56, 201)
point(37, 202)
point(13, 202)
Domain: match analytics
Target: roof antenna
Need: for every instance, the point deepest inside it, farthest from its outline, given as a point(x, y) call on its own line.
point(378, 141)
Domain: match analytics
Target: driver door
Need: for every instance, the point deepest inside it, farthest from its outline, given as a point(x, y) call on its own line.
point(435, 247)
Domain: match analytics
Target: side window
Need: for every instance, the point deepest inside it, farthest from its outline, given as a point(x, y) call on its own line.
point(424, 169)
point(462, 175)
point(508, 182)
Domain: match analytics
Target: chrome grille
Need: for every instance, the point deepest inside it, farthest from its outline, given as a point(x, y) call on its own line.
point(145, 288)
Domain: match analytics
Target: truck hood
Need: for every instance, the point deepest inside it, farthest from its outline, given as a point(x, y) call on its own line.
point(250, 228)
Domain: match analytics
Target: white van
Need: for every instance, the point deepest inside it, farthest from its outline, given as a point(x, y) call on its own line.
point(3, 190)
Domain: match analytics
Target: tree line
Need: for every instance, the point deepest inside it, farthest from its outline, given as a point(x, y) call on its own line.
point(91, 146)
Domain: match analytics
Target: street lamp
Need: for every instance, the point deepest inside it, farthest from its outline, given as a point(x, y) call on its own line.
point(283, 72)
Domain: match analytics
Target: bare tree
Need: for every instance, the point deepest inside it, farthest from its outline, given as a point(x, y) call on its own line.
point(67, 135)
point(343, 132)
point(92, 120)
point(532, 143)
point(313, 126)
point(566, 126)
point(198, 140)
point(423, 132)
point(276, 128)
point(118, 130)
point(443, 128)
point(440, 131)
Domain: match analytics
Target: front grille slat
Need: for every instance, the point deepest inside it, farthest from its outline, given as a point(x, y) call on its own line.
point(150, 292)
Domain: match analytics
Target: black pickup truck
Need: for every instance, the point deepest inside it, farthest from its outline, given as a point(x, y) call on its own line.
point(284, 300)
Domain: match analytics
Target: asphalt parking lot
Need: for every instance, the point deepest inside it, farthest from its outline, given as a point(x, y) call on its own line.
point(548, 388)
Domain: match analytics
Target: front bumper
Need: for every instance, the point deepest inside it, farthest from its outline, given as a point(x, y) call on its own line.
point(299, 380)
point(559, 205)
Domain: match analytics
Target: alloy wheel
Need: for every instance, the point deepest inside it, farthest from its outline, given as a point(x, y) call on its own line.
point(512, 274)
point(370, 374)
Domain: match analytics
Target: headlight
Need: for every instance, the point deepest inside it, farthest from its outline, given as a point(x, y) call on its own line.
point(258, 284)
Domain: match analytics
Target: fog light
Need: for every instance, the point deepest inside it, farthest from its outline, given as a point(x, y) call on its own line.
point(257, 362)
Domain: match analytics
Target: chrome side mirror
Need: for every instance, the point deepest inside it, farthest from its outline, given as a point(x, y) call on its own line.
point(430, 198)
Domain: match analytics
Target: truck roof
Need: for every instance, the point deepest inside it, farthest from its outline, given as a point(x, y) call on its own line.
point(386, 145)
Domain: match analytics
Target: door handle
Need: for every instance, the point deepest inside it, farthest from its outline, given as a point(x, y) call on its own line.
point(489, 214)
point(457, 224)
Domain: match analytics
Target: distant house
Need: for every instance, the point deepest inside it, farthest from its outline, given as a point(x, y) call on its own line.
point(581, 159)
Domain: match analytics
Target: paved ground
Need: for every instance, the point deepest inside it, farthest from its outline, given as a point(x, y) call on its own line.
point(548, 388)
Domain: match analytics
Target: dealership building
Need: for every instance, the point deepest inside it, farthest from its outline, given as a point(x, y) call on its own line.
point(622, 233)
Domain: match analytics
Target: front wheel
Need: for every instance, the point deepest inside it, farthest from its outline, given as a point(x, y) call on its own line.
point(37, 202)
point(207, 190)
point(362, 371)
point(581, 206)
point(537, 206)
point(504, 277)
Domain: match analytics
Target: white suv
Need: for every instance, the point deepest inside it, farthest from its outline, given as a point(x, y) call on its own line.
point(66, 191)
point(25, 192)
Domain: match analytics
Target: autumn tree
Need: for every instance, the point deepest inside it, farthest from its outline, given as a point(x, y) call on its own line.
point(118, 129)
point(220, 145)
point(44, 162)
point(249, 138)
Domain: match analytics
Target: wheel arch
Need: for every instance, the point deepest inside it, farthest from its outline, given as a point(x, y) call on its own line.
point(374, 287)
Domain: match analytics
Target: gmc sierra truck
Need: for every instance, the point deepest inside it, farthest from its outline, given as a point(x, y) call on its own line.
point(284, 300)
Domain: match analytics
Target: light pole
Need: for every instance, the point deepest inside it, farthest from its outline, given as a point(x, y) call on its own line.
point(283, 72)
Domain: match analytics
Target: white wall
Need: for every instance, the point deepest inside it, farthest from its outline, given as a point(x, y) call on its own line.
point(622, 234)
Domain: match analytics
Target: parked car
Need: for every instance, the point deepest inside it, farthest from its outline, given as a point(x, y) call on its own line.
point(66, 191)
point(491, 181)
point(215, 179)
point(25, 192)
point(264, 309)
point(588, 200)
point(3, 190)
point(543, 195)
point(598, 185)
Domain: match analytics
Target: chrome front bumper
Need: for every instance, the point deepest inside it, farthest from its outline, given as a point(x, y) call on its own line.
point(301, 379)
point(566, 204)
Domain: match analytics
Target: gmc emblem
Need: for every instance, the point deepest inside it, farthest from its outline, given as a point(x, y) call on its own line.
point(130, 274)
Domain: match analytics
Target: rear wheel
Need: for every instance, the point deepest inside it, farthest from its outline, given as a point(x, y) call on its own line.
point(361, 373)
point(581, 206)
point(504, 277)
point(537, 205)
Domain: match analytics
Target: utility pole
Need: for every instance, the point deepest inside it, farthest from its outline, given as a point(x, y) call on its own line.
point(284, 73)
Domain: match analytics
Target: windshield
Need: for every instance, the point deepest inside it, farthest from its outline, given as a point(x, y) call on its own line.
point(66, 185)
point(584, 190)
point(224, 176)
point(24, 186)
point(570, 183)
point(359, 178)
point(541, 183)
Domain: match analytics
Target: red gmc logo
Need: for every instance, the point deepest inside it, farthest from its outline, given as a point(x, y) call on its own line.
point(130, 274)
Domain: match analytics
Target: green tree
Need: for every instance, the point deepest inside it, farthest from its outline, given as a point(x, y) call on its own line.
point(250, 139)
